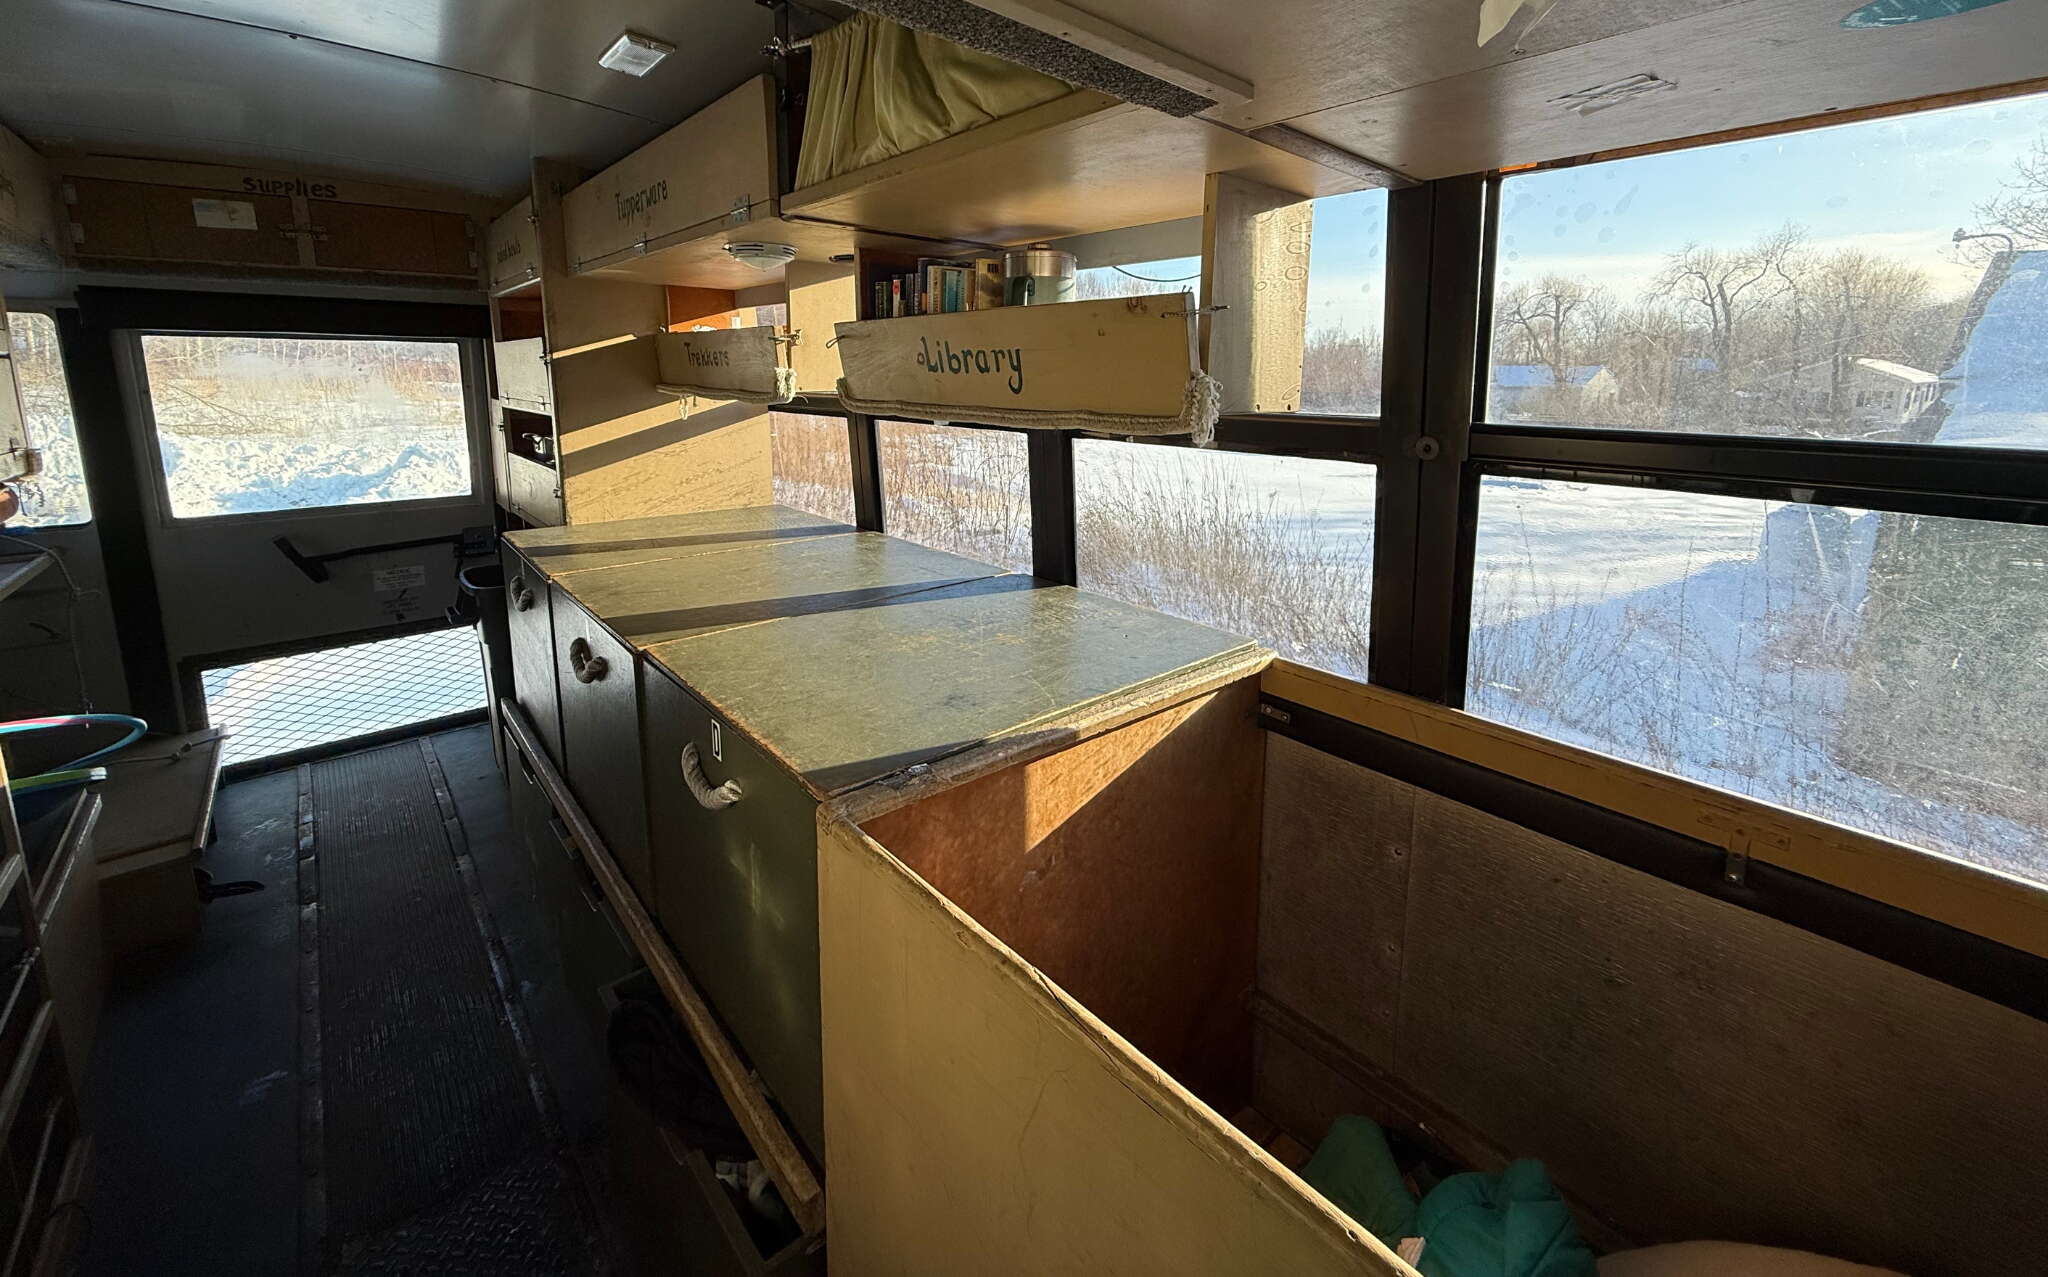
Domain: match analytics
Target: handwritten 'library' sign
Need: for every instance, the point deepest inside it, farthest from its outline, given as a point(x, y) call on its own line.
point(726, 363)
point(1124, 365)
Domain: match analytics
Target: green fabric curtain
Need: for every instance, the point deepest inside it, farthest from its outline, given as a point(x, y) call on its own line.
point(879, 90)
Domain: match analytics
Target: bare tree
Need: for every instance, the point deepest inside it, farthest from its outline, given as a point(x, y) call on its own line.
point(2021, 207)
point(1546, 321)
point(1732, 287)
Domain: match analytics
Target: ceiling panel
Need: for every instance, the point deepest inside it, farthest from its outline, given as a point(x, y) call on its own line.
point(134, 79)
point(1737, 66)
point(1308, 55)
point(551, 45)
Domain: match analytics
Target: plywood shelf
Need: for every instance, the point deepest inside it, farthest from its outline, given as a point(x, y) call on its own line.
point(1077, 164)
point(696, 256)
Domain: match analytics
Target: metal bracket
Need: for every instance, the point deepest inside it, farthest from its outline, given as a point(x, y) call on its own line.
point(742, 211)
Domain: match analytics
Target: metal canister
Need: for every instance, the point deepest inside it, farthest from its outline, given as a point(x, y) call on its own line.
point(1037, 276)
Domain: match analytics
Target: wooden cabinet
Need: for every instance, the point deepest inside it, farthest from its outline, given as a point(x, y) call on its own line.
point(529, 613)
point(593, 950)
point(522, 367)
point(596, 679)
point(512, 248)
point(715, 169)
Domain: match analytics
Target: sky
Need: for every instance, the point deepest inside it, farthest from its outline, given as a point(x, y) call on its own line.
point(1898, 186)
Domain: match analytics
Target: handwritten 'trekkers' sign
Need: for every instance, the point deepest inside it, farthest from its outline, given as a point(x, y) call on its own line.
point(723, 363)
point(1127, 357)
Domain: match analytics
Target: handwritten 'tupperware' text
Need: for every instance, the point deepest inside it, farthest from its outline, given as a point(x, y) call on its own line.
point(998, 361)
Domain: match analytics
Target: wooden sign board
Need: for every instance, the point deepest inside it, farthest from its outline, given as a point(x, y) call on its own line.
point(512, 248)
point(717, 165)
point(724, 363)
point(1126, 361)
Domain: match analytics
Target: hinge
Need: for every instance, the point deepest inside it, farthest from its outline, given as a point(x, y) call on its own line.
point(1275, 713)
point(742, 211)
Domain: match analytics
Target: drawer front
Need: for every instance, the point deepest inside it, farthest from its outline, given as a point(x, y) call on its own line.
point(739, 894)
point(528, 614)
point(595, 678)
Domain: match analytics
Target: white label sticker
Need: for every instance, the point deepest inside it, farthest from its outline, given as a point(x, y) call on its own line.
point(224, 215)
point(406, 578)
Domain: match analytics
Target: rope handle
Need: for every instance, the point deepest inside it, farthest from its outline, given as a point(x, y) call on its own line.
point(586, 668)
point(522, 595)
point(709, 797)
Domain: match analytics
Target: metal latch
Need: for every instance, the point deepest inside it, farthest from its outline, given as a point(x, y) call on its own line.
point(717, 742)
point(742, 211)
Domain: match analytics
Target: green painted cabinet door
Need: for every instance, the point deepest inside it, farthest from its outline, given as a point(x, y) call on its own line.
point(738, 891)
point(529, 617)
point(596, 680)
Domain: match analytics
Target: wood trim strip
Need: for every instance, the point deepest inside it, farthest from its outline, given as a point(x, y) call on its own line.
point(1998, 907)
point(1798, 124)
point(801, 1190)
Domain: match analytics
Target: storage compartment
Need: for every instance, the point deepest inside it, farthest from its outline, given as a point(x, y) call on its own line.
point(522, 366)
point(530, 618)
point(717, 167)
point(533, 490)
point(588, 937)
point(1043, 990)
point(512, 248)
point(738, 898)
point(596, 678)
point(670, 1197)
point(530, 435)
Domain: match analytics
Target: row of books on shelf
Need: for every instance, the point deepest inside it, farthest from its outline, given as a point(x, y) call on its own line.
point(939, 286)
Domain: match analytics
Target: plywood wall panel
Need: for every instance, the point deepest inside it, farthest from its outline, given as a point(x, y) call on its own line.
point(1333, 887)
point(1697, 1070)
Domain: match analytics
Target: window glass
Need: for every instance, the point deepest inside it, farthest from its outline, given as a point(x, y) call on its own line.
point(961, 490)
point(57, 496)
point(1885, 280)
point(1275, 548)
point(1877, 669)
point(1347, 303)
point(813, 464)
point(1140, 279)
point(253, 424)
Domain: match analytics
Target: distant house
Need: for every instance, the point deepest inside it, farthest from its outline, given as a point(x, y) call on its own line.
point(1533, 390)
point(1880, 392)
point(1998, 379)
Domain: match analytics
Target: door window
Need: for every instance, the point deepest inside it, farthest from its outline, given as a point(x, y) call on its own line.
point(250, 425)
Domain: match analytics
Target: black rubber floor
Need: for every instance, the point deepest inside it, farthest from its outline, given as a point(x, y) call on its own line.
point(382, 1115)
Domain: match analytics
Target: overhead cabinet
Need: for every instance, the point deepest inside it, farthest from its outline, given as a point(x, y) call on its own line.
point(512, 248)
point(1080, 163)
point(715, 169)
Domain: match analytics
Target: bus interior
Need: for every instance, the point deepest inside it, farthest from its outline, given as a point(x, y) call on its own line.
point(1026, 637)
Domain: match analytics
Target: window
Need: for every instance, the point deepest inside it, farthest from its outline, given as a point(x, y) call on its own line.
point(1275, 547)
point(813, 464)
point(254, 424)
point(1139, 279)
point(297, 702)
point(57, 496)
point(961, 490)
point(1878, 669)
point(1347, 304)
point(1749, 288)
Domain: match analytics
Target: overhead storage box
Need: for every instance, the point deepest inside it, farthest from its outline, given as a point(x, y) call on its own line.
point(512, 248)
point(1123, 365)
point(715, 169)
point(745, 364)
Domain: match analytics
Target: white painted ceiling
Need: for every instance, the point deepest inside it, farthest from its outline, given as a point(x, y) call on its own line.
point(456, 93)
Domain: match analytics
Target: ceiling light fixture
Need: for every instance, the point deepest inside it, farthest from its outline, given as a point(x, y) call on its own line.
point(635, 54)
point(760, 255)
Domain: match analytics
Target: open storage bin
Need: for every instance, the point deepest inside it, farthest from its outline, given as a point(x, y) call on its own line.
point(1045, 985)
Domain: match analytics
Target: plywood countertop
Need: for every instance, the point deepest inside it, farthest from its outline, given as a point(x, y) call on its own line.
point(556, 552)
point(842, 698)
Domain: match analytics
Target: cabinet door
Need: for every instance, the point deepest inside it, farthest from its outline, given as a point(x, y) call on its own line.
point(523, 372)
point(399, 241)
point(739, 893)
point(587, 939)
point(595, 680)
point(529, 616)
